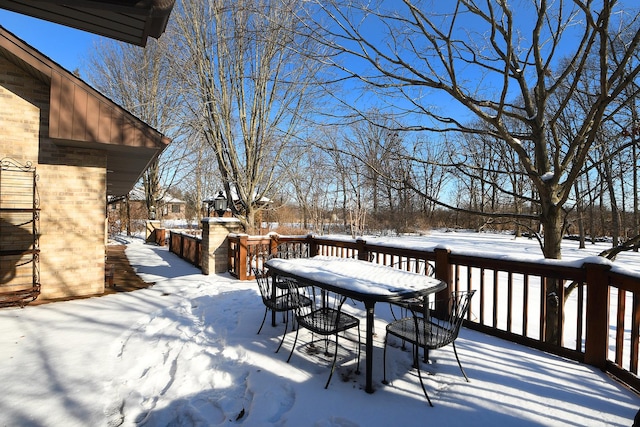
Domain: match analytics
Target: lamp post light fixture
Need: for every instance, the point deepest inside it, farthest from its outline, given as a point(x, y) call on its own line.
point(220, 204)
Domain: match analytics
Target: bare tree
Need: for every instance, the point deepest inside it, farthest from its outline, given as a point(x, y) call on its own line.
point(201, 179)
point(248, 87)
point(605, 168)
point(141, 81)
point(429, 176)
point(499, 66)
point(383, 162)
point(310, 181)
point(629, 122)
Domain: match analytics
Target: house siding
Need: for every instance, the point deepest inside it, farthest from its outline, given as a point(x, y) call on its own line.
point(20, 104)
point(71, 188)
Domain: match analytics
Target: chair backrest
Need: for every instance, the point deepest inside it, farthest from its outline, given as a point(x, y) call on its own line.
point(447, 327)
point(264, 282)
point(320, 299)
point(288, 250)
point(419, 266)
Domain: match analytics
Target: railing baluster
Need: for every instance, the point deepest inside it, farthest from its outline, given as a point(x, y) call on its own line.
point(482, 295)
point(543, 307)
point(509, 301)
point(525, 304)
point(620, 326)
point(634, 334)
point(495, 299)
point(560, 325)
point(580, 320)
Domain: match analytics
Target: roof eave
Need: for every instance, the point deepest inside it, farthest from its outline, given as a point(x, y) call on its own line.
point(130, 21)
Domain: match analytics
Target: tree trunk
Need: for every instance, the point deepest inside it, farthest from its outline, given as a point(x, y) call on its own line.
point(553, 228)
point(592, 218)
point(250, 226)
point(127, 207)
point(580, 216)
point(636, 214)
point(517, 232)
point(607, 175)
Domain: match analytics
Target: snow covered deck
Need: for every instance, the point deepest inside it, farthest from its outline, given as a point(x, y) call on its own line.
point(186, 351)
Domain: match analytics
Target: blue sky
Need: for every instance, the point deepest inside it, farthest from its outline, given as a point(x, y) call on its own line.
point(66, 46)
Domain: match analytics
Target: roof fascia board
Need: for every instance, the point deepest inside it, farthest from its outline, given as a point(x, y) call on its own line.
point(130, 21)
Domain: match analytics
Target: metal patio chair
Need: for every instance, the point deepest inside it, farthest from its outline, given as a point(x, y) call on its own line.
point(415, 266)
point(323, 317)
point(289, 250)
point(430, 332)
point(276, 299)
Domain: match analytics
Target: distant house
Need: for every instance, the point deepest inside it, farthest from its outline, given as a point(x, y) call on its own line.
point(82, 148)
point(171, 208)
point(168, 208)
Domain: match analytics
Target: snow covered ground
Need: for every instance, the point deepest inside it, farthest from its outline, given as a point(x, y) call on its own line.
point(185, 353)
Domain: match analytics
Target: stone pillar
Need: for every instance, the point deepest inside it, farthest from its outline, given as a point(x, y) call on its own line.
point(215, 245)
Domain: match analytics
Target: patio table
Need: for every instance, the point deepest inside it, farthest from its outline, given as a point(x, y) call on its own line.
point(360, 280)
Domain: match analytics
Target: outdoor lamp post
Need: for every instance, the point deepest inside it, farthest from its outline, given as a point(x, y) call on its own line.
point(220, 204)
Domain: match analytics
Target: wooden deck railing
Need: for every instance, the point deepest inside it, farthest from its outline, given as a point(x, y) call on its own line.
point(187, 247)
point(600, 320)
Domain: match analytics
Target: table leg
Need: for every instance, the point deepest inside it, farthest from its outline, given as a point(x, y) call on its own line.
point(369, 306)
point(274, 294)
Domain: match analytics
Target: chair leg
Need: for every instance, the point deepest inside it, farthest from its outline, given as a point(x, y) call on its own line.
point(333, 366)
point(416, 354)
point(263, 319)
point(358, 364)
point(416, 357)
point(295, 340)
point(286, 324)
point(459, 364)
